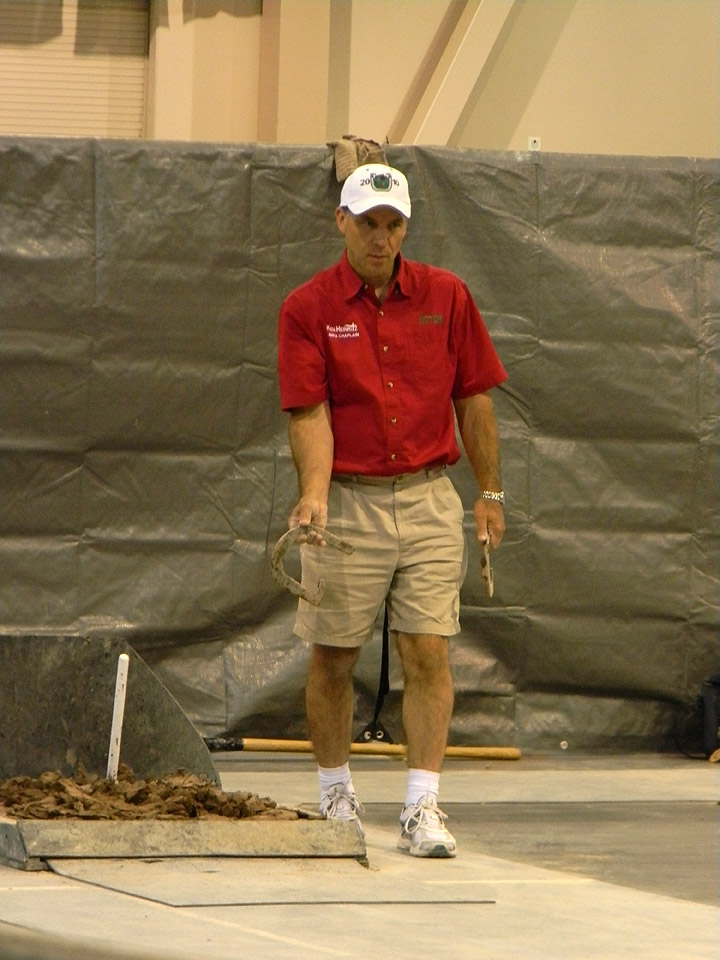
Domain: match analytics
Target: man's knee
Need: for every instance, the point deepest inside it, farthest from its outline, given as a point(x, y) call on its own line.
point(334, 662)
point(422, 654)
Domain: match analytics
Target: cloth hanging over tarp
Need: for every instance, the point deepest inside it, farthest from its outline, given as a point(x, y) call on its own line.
point(146, 472)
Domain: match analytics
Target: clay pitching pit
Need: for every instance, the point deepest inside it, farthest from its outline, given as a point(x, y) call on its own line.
point(179, 796)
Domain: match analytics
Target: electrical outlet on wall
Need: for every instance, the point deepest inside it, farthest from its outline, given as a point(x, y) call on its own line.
point(533, 143)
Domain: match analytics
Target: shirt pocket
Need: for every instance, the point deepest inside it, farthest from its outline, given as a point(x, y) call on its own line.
point(428, 348)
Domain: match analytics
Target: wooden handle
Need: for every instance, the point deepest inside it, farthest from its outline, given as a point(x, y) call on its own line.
point(379, 749)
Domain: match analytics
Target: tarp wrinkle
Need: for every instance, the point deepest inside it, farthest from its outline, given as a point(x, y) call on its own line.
point(145, 472)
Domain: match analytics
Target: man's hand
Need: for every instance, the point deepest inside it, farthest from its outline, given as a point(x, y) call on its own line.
point(309, 510)
point(489, 522)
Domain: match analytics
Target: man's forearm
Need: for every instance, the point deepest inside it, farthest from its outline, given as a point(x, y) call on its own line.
point(479, 434)
point(478, 430)
point(311, 444)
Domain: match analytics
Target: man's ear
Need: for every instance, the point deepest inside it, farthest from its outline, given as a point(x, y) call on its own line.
point(340, 219)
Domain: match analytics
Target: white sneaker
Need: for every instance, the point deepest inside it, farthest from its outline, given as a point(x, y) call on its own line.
point(424, 833)
point(340, 803)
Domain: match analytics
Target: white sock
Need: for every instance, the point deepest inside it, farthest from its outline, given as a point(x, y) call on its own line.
point(419, 783)
point(329, 776)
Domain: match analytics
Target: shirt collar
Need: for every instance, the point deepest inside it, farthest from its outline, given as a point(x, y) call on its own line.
point(403, 279)
point(353, 286)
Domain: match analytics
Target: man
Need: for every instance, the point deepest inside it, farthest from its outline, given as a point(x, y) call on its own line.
point(373, 353)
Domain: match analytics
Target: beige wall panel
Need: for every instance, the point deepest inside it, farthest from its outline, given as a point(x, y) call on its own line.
point(294, 71)
point(339, 69)
point(225, 76)
point(587, 76)
point(204, 69)
point(603, 76)
point(391, 40)
point(170, 74)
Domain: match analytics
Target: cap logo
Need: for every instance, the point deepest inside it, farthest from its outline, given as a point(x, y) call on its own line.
point(375, 185)
point(382, 182)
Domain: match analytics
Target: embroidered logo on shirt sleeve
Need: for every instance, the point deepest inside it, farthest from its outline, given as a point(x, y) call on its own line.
point(430, 318)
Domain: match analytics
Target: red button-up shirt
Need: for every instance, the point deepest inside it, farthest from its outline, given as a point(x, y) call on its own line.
point(389, 370)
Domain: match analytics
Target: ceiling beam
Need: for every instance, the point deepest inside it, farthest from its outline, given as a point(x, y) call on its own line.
point(452, 81)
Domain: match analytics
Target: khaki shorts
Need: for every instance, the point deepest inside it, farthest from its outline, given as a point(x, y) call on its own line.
point(409, 550)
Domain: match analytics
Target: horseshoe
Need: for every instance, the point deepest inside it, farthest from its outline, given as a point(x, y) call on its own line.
point(486, 571)
point(292, 536)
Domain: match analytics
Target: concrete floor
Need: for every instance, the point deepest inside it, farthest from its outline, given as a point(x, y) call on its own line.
point(562, 857)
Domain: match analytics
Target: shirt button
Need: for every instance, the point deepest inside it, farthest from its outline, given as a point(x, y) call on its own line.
point(385, 349)
point(392, 456)
point(381, 313)
point(393, 419)
point(390, 383)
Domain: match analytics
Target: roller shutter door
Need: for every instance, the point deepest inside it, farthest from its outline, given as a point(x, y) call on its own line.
point(73, 67)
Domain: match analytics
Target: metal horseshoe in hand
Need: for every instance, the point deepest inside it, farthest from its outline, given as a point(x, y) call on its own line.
point(486, 571)
point(292, 536)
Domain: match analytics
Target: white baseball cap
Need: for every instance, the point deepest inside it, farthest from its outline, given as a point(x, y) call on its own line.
point(376, 185)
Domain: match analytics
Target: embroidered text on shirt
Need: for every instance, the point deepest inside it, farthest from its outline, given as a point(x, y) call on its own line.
point(342, 331)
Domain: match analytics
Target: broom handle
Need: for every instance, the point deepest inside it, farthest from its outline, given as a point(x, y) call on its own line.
point(379, 749)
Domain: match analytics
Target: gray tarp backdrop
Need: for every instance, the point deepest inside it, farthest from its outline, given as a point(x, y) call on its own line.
point(145, 468)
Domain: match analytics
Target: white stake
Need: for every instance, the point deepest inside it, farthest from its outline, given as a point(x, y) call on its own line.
point(118, 715)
